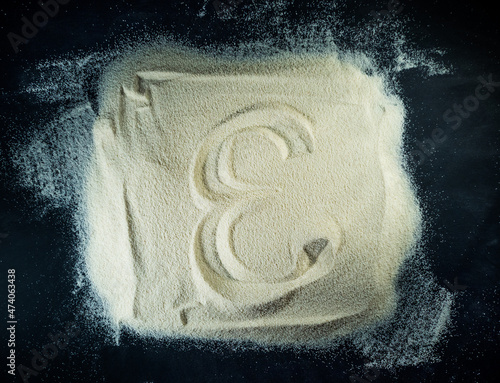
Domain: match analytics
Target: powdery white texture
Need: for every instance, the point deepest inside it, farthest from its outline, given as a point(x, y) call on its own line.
point(408, 336)
point(251, 200)
point(52, 161)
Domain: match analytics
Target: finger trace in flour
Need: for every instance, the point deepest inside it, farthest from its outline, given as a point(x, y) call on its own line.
point(259, 200)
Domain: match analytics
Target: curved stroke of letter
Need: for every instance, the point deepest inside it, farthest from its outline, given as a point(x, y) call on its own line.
point(215, 185)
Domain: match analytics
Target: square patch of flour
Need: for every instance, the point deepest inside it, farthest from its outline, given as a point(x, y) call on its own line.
point(255, 201)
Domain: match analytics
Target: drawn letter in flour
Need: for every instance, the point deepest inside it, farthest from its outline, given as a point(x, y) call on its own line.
point(232, 204)
point(268, 198)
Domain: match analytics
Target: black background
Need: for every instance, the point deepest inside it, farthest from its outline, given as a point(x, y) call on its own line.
point(458, 184)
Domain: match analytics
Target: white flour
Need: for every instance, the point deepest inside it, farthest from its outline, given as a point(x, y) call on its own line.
point(230, 196)
point(52, 164)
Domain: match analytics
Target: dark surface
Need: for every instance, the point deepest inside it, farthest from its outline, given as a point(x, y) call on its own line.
point(458, 183)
